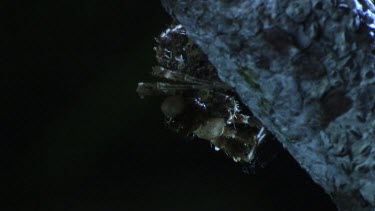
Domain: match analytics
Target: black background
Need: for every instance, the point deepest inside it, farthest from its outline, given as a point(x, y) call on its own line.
point(75, 136)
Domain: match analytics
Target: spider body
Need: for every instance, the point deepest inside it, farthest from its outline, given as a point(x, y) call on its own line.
point(197, 102)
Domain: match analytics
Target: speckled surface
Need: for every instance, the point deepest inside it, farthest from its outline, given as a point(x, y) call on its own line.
point(306, 70)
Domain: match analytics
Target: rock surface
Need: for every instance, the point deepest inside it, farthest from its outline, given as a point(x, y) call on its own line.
point(306, 70)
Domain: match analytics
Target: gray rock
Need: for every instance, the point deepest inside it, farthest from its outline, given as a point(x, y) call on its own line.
point(306, 70)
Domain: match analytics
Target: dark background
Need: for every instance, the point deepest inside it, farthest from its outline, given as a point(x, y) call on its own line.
point(75, 136)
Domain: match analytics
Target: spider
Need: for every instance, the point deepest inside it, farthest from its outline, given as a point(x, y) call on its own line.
point(197, 102)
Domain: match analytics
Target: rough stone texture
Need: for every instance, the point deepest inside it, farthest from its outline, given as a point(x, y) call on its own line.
point(306, 70)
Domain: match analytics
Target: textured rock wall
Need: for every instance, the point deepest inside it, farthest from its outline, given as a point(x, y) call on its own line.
point(306, 70)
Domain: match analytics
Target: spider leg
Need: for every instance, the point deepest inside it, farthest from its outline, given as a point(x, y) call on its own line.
point(261, 135)
point(258, 140)
point(162, 72)
point(235, 117)
point(251, 156)
point(160, 88)
point(247, 120)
